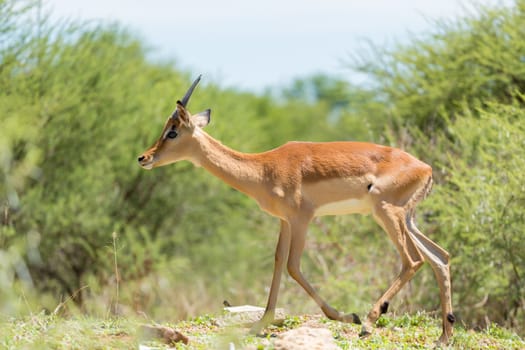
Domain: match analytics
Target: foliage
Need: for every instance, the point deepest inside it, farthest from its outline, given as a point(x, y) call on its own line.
point(465, 61)
point(79, 102)
point(49, 332)
point(478, 211)
point(455, 98)
point(355, 112)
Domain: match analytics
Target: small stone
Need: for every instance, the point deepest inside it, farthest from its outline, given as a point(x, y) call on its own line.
point(306, 338)
point(246, 315)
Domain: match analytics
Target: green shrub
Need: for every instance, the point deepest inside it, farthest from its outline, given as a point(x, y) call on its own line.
point(78, 103)
point(478, 213)
point(464, 61)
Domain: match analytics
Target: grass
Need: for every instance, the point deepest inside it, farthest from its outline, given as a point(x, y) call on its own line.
point(52, 332)
point(418, 331)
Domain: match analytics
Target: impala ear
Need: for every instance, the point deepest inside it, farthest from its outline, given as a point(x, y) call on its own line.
point(201, 119)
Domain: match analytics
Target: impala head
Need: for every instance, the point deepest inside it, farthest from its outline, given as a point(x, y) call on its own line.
point(176, 140)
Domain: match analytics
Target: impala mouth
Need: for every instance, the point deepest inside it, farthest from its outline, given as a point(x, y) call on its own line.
point(146, 162)
point(147, 166)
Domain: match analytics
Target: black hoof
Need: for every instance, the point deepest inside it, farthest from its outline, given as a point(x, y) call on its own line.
point(364, 334)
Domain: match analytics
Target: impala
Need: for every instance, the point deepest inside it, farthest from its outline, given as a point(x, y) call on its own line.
point(301, 180)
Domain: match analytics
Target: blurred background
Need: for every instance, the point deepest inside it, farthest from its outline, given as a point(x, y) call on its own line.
point(84, 89)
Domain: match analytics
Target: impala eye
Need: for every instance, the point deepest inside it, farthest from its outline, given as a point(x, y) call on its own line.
point(172, 134)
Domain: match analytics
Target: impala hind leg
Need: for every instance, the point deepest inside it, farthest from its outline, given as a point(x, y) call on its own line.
point(393, 220)
point(281, 252)
point(438, 258)
point(298, 238)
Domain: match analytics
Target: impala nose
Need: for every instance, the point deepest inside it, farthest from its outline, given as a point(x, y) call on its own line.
point(141, 158)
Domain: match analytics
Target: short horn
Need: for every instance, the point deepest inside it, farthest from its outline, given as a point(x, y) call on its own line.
point(187, 96)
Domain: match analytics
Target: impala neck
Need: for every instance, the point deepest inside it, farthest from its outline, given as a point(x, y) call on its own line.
point(239, 170)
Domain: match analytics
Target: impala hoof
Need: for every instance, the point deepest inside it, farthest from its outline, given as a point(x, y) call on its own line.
point(364, 333)
point(258, 326)
point(440, 343)
point(443, 340)
point(366, 330)
point(256, 329)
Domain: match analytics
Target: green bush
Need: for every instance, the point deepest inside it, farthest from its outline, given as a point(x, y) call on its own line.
point(465, 61)
point(79, 103)
point(455, 98)
point(478, 213)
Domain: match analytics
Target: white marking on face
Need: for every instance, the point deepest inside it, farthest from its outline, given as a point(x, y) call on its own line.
point(348, 206)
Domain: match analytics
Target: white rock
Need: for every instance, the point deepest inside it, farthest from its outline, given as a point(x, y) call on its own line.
point(244, 308)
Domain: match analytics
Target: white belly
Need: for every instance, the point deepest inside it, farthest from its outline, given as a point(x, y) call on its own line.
point(348, 206)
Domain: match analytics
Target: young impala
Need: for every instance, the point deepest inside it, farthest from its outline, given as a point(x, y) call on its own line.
point(301, 180)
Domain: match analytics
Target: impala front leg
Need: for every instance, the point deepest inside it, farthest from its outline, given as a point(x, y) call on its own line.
point(298, 239)
point(281, 253)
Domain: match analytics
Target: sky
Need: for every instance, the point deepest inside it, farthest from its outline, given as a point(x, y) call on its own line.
point(254, 45)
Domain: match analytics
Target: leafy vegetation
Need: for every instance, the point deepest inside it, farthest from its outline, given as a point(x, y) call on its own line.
point(455, 97)
point(462, 63)
point(485, 222)
point(79, 102)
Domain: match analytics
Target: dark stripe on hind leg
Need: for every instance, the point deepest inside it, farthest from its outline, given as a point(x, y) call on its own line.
point(384, 307)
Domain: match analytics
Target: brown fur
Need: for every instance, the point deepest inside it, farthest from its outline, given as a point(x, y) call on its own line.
point(300, 180)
